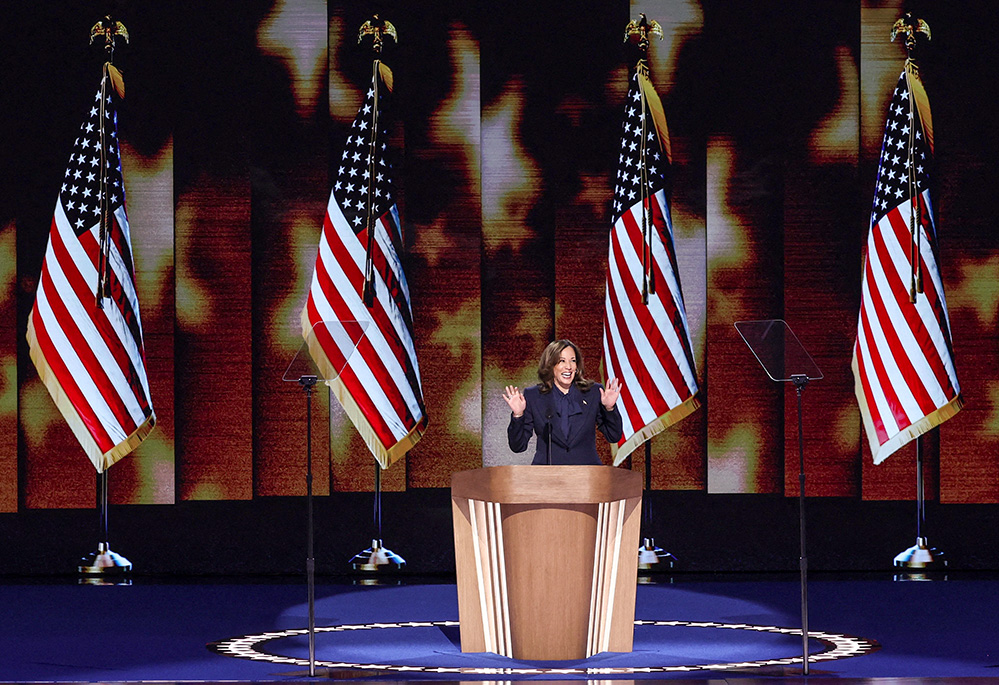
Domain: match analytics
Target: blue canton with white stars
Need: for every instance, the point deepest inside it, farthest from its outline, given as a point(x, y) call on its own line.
point(627, 191)
point(894, 167)
point(81, 189)
point(352, 180)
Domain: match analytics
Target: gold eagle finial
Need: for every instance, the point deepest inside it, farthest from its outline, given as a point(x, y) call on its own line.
point(377, 28)
point(109, 28)
point(910, 26)
point(642, 28)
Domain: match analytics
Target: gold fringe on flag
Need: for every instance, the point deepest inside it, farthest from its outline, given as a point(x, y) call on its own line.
point(919, 108)
point(655, 107)
point(654, 427)
point(386, 75)
point(920, 101)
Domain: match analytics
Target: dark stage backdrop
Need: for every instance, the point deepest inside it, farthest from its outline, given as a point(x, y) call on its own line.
point(505, 125)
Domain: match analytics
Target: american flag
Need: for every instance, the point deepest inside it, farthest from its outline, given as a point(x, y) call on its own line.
point(89, 352)
point(379, 384)
point(903, 359)
point(646, 342)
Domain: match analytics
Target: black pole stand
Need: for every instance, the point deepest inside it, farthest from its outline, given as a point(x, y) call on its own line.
point(920, 557)
point(800, 381)
point(307, 383)
point(103, 562)
point(377, 558)
point(650, 557)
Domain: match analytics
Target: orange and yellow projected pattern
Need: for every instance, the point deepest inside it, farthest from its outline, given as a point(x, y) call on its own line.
point(505, 128)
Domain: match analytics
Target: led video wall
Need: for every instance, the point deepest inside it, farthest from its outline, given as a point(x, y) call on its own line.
point(504, 127)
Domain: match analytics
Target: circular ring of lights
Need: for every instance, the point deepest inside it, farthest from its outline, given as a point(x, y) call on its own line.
point(836, 646)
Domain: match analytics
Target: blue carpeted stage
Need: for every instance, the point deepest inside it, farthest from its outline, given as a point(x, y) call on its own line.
point(695, 628)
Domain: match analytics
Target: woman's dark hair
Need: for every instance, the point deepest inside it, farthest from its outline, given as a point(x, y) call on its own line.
point(550, 357)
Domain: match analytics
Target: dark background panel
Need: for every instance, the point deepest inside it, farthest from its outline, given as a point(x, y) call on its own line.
point(707, 533)
point(966, 144)
point(216, 92)
point(438, 94)
point(8, 367)
point(823, 236)
point(290, 171)
point(745, 159)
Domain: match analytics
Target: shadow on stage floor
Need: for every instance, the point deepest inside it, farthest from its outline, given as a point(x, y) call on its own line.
point(689, 626)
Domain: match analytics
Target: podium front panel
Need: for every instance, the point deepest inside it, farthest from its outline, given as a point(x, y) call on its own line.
point(550, 577)
point(546, 581)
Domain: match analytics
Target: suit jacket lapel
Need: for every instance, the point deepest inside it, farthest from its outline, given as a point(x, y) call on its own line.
point(576, 402)
point(554, 420)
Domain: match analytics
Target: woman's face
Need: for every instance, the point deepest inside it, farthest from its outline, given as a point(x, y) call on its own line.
point(565, 369)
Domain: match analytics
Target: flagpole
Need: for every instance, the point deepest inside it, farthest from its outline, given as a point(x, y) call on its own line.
point(650, 556)
point(375, 558)
point(920, 556)
point(104, 562)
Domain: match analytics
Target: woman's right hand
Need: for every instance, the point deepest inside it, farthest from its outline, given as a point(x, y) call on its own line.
point(515, 399)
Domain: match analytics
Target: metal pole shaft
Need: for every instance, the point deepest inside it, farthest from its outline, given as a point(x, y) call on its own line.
point(102, 505)
point(920, 494)
point(803, 560)
point(648, 489)
point(378, 501)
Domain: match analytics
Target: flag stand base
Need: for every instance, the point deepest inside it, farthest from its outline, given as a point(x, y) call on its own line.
point(920, 556)
point(104, 562)
point(652, 558)
point(377, 558)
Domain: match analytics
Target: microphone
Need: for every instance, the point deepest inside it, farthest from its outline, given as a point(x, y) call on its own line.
point(548, 423)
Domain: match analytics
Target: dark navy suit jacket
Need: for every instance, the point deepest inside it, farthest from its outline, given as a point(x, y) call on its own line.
point(542, 416)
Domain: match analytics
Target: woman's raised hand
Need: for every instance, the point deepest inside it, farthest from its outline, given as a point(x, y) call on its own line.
point(609, 395)
point(515, 399)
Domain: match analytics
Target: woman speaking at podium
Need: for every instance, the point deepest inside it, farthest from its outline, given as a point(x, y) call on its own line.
point(563, 409)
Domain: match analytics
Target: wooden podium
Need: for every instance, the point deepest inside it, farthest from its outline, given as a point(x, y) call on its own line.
point(546, 559)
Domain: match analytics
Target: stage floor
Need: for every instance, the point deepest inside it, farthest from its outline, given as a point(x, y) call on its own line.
point(695, 627)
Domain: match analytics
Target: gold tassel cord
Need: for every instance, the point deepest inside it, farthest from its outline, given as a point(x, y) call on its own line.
point(103, 287)
point(915, 219)
point(378, 29)
point(369, 265)
point(648, 275)
point(109, 29)
point(650, 103)
point(652, 107)
point(910, 26)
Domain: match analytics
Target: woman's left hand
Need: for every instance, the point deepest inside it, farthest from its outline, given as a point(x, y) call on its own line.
point(609, 395)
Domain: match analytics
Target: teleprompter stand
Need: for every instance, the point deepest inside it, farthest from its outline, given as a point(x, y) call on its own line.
point(786, 361)
point(322, 357)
